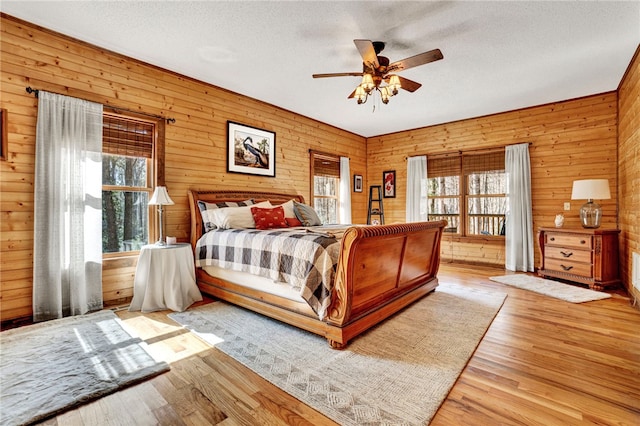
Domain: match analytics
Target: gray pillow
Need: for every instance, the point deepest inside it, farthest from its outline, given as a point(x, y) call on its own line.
point(306, 214)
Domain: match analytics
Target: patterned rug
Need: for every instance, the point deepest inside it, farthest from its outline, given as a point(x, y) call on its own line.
point(397, 373)
point(566, 292)
point(50, 367)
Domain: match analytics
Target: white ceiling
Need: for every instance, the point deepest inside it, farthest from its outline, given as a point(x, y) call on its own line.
point(498, 56)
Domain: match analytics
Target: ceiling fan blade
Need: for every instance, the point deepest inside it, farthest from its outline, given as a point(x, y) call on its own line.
point(352, 94)
point(414, 61)
point(409, 85)
point(368, 53)
point(338, 74)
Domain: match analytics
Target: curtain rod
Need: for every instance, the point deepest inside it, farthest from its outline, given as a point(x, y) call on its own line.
point(326, 154)
point(168, 120)
point(446, 154)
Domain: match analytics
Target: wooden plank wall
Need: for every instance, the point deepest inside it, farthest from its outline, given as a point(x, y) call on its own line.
point(195, 144)
point(629, 168)
point(575, 139)
point(572, 139)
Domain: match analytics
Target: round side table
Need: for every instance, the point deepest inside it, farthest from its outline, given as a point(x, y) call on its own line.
point(165, 279)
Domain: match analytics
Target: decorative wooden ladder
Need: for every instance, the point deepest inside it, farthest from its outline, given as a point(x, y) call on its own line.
point(375, 204)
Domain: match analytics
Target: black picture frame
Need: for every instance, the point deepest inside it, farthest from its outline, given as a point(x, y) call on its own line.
point(357, 183)
point(389, 184)
point(250, 150)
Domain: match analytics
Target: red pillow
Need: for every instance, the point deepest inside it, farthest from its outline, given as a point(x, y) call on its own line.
point(269, 218)
point(293, 221)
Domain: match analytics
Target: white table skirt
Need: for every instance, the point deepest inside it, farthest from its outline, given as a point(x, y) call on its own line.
point(165, 279)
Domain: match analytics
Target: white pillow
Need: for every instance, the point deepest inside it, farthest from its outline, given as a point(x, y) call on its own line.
point(288, 209)
point(237, 217)
point(207, 209)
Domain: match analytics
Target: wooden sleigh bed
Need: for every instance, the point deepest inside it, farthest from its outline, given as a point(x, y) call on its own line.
point(379, 271)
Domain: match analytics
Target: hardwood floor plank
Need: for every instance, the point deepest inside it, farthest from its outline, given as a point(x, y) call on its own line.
point(543, 361)
point(176, 396)
point(167, 416)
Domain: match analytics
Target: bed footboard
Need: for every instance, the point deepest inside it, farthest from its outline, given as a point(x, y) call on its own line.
point(382, 269)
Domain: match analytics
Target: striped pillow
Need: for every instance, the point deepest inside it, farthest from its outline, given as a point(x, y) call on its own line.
point(207, 209)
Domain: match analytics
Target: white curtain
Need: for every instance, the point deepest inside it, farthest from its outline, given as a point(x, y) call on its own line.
point(519, 220)
point(67, 255)
point(416, 209)
point(345, 192)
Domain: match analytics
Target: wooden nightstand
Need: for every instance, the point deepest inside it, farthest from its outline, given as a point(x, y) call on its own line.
point(587, 256)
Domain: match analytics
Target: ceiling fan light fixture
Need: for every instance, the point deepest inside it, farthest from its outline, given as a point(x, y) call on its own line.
point(390, 91)
point(367, 83)
point(394, 84)
point(384, 94)
point(360, 95)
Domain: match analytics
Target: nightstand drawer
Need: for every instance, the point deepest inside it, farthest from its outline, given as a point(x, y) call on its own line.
point(568, 240)
point(570, 267)
point(568, 254)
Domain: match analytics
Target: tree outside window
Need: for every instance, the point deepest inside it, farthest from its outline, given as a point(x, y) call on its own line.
point(127, 172)
point(325, 169)
point(468, 190)
point(125, 212)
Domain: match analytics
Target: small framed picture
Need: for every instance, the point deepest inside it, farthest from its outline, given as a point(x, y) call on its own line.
point(389, 183)
point(250, 150)
point(357, 183)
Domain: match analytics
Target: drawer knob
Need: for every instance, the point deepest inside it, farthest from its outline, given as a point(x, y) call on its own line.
point(583, 242)
point(565, 254)
point(552, 239)
point(566, 268)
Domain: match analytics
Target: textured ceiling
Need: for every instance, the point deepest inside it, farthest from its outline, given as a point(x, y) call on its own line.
point(498, 56)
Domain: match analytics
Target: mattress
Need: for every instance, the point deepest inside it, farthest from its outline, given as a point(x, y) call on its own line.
point(255, 282)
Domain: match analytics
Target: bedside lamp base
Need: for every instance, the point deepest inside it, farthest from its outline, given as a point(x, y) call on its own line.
point(590, 215)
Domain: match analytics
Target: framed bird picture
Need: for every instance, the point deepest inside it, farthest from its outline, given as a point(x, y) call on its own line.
point(250, 150)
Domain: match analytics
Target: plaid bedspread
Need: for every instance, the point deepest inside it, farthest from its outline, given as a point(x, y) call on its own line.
point(305, 259)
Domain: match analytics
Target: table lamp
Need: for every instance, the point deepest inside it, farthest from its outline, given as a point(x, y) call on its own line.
point(590, 189)
point(160, 198)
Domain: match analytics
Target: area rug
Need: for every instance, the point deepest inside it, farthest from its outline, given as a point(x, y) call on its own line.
point(50, 367)
point(566, 292)
point(397, 373)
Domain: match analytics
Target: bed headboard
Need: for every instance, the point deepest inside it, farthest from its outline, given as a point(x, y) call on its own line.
point(213, 196)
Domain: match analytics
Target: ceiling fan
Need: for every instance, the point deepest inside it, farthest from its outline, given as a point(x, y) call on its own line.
point(376, 69)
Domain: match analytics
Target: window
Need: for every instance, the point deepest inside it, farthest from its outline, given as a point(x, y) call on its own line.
point(443, 191)
point(468, 190)
point(325, 169)
point(128, 149)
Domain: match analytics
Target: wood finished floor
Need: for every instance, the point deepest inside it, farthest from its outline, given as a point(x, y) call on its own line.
point(542, 362)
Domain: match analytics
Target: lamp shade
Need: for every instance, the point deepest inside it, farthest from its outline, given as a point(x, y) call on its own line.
point(360, 94)
point(367, 83)
point(160, 197)
point(591, 189)
point(394, 84)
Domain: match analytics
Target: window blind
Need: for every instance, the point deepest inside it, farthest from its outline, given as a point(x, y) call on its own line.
point(325, 166)
point(126, 136)
point(485, 162)
point(443, 166)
